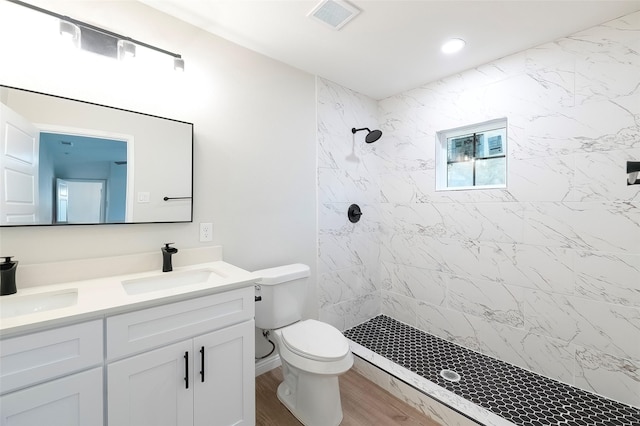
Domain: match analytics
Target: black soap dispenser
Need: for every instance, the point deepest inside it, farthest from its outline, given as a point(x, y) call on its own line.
point(8, 276)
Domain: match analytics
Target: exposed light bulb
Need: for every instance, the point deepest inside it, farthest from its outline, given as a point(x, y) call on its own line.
point(70, 32)
point(126, 50)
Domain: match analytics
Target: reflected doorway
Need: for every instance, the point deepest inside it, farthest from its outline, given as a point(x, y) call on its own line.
point(80, 201)
point(97, 166)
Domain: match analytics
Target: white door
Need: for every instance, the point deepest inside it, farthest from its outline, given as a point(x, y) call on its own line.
point(74, 400)
point(19, 156)
point(150, 389)
point(80, 201)
point(225, 390)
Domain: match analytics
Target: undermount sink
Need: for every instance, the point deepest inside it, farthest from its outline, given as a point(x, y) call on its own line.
point(167, 280)
point(15, 306)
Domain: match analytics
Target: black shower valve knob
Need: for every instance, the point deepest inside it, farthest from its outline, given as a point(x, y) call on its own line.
point(354, 213)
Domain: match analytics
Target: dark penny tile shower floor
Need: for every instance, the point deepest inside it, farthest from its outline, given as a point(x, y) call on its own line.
point(518, 395)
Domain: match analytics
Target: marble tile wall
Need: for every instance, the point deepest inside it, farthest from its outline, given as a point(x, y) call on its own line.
point(348, 254)
point(544, 274)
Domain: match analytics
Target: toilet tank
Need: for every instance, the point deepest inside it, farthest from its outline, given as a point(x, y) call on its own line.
point(283, 290)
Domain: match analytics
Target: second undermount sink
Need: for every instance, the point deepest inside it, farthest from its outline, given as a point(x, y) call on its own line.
point(18, 305)
point(167, 280)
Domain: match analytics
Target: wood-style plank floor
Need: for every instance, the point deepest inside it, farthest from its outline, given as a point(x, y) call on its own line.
point(363, 404)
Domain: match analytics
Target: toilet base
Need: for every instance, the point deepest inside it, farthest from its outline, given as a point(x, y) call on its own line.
point(313, 399)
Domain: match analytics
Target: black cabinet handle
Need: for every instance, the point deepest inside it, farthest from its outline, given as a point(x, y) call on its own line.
point(202, 364)
point(186, 369)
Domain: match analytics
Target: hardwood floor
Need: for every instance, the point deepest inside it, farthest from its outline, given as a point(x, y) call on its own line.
point(363, 404)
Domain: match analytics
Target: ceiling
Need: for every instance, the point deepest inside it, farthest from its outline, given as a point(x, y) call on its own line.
point(392, 45)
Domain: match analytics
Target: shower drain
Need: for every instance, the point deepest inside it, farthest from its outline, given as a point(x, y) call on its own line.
point(450, 375)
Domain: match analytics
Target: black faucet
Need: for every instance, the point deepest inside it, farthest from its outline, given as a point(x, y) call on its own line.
point(166, 257)
point(8, 276)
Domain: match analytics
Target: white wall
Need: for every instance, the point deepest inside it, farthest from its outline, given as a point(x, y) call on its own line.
point(254, 121)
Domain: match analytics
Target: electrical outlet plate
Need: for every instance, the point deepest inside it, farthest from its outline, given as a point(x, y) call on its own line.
point(206, 232)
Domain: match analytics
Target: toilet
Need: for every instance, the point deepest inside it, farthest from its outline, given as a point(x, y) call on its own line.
point(313, 353)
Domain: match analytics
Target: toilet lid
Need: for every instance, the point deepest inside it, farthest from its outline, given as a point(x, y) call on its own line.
point(315, 340)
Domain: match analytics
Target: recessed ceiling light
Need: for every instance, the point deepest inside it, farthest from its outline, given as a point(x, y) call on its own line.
point(453, 45)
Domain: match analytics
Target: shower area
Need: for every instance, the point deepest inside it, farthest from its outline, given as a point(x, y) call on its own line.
point(541, 275)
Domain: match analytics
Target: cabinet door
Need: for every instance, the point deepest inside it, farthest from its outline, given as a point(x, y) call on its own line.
point(150, 389)
point(225, 390)
point(75, 400)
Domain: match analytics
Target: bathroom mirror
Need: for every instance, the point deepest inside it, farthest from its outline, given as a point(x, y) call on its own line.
point(69, 162)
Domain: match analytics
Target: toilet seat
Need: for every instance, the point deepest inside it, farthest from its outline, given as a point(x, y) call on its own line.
point(315, 340)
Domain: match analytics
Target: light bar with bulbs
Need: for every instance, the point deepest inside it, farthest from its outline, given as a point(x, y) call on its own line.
point(98, 40)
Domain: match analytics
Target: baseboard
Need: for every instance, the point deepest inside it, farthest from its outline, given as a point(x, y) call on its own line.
point(267, 364)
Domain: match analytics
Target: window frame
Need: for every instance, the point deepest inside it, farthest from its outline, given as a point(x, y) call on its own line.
point(442, 160)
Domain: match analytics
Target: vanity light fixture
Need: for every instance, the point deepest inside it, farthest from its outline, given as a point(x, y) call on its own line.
point(453, 45)
point(99, 40)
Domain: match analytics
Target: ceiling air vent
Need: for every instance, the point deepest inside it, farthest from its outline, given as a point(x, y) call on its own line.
point(334, 13)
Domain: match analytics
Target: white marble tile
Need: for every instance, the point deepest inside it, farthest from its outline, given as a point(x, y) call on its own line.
point(547, 56)
point(547, 356)
point(345, 251)
point(541, 179)
point(386, 275)
point(413, 250)
point(545, 268)
point(501, 222)
point(602, 176)
point(537, 267)
point(395, 152)
point(418, 283)
point(581, 129)
point(333, 219)
point(342, 186)
point(399, 307)
point(609, 277)
point(451, 325)
point(550, 315)
point(361, 309)
point(487, 299)
point(414, 219)
point(617, 378)
point(333, 316)
point(539, 93)
point(586, 226)
point(601, 326)
point(439, 254)
point(345, 284)
point(339, 110)
point(348, 314)
point(498, 222)
point(408, 187)
point(605, 61)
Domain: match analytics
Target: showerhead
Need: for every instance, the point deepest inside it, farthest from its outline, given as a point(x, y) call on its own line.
point(371, 137)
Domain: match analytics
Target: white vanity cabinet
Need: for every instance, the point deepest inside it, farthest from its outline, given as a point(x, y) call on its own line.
point(53, 377)
point(184, 363)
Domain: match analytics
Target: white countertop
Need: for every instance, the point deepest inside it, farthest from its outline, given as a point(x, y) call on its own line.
point(106, 296)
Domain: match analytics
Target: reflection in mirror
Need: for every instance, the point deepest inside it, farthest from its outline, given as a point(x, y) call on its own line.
point(64, 161)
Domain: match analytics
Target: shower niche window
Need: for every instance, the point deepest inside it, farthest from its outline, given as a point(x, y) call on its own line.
point(472, 157)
